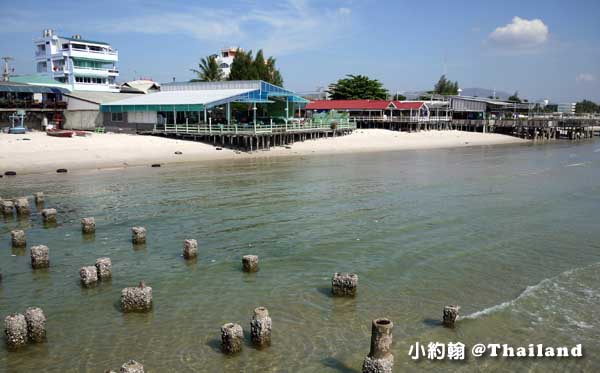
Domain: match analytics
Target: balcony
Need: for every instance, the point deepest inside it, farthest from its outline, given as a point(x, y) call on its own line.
point(105, 55)
point(95, 71)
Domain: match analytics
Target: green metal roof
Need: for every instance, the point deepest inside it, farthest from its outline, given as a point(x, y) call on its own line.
point(84, 41)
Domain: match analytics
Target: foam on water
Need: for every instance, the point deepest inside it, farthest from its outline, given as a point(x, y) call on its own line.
point(552, 284)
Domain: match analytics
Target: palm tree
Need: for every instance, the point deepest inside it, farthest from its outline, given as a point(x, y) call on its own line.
point(208, 70)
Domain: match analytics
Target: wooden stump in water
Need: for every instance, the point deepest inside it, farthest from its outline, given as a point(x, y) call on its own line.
point(250, 263)
point(136, 299)
point(22, 206)
point(344, 284)
point(138, 235)
point(40, 257)
point(380, 358)
point(7, 207)
point(39, 198)
point(232, 336)
point(49, 215)
point(104, 268)
point(88, 276)
point(132, 366)
point(450, 315)
point(17, 238)
point(260, 327)
point(15, 329)
point(88, 225)
point(36, 324)
point(190, 249)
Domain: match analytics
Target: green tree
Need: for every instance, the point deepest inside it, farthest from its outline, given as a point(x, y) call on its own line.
point(245, 67)
point(208, 70)
point(586, 107)
point(356, 87)
point(445, 87)
point(515, 98)
point(398, 97)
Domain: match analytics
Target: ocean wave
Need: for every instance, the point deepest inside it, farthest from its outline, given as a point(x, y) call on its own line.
point(529, 290)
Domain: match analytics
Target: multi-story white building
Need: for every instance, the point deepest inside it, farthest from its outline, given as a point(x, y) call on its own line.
point(85, 65)
point(225, 59)
point(566, 108)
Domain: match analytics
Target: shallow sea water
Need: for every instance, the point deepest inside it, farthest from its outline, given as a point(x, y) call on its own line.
point(510, 233)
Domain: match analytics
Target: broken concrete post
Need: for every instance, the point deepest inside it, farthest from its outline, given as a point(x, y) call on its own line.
point(190, 249)
point(250, 263)
point(39, 198)
point(138, 235)
point(40, 257)
point(380, 358)
point(104, 268)
point(36, 324)
point(22, 206)
point(88, 276)
point(132, 366)
point(17, 238)
point(232, 336)
point(344, 284)
point(49, 215)
point(88, 225)
point(15, 329)
point(450, 315)
point(136, 298)
point(7, 207)
point(260, 327)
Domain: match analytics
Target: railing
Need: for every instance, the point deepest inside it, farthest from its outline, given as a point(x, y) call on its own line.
point(218, 129)
point(407, 119)
point(112, 53)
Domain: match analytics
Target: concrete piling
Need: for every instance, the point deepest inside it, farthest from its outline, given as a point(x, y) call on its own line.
point(49, 215)
point(136, 299)
point(7, 207)
point(88, 276)
point(132, 366)
point(17, 238)
point(104, 268)
point(15, 329)
point(40, 257)
point(138, 235)
point(36, 324)
point(88, 225)
point(250, 263)
point(260, 327)
point(22, 206)
point(450, 315)
point(232, 336)
point(190, 249)
point(380, 358)
point(39, 198)
point(344, 284)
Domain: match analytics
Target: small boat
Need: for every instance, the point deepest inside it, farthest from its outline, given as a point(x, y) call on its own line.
point(59, 133)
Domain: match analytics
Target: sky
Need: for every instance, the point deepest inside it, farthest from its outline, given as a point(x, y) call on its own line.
point(544, 50)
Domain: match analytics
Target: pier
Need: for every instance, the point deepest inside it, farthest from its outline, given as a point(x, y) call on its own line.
point(250, 137)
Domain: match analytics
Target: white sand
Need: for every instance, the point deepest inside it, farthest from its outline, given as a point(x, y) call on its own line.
point(43, 153)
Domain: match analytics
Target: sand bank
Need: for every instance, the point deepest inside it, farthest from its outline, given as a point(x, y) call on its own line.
point(41, 153)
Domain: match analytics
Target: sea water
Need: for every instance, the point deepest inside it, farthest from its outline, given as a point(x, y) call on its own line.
point(509, 233)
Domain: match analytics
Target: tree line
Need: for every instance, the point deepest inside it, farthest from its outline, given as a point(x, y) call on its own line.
point(243, 67)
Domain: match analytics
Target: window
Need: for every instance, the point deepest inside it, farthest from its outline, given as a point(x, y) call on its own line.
point(116, 117)
point(224, 66)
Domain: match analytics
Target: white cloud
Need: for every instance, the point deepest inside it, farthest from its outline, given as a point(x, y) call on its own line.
point(585, 77)
point(521, 33)
point(289, 26)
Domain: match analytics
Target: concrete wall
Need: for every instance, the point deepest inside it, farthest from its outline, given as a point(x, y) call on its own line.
point(126, 126)
point(82, 119)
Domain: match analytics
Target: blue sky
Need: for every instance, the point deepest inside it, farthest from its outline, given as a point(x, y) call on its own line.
point(544, 49)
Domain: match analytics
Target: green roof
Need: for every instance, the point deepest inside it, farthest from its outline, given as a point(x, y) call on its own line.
point(26, 88)
point(84, 41)
point(38, 79)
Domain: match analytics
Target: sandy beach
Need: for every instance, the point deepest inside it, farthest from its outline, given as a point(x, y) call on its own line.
point(38, 153)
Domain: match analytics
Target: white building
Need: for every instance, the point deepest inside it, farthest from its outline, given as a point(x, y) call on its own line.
point(566, 108)
point(225, 59)
point(85, 65)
